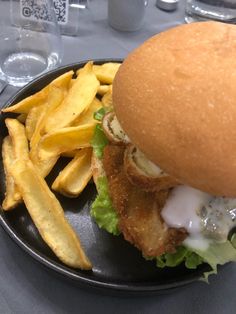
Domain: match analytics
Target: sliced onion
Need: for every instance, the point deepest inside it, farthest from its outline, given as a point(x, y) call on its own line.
point(113, 130)
point(144, 173)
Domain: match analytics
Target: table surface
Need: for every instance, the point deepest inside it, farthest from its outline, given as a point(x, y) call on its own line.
point(27, 287)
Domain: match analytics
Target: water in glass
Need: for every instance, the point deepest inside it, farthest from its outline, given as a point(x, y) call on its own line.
point(30, 40)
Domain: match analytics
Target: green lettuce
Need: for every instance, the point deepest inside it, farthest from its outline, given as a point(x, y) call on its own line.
point(217, 254)
point(182, 255)
point(102, 209)
point(99, 114)
point(99, 141)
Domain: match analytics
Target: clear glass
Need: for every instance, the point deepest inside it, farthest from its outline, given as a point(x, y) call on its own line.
point(30, 40)
point(219, 10)
point(68, 14)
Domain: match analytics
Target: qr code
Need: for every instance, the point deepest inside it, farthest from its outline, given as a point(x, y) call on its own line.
point(38, 10)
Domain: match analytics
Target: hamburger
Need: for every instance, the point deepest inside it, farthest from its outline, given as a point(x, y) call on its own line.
point(165, 153)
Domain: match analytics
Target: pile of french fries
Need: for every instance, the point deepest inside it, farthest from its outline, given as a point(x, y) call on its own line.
point(56, 121)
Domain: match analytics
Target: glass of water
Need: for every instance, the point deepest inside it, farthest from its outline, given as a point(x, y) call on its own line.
point(30, 40)
point(219, 10)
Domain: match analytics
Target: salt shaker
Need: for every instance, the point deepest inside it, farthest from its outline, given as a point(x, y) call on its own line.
point(126, 15)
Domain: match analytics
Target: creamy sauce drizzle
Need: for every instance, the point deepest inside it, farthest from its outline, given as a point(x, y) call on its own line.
point(204, 216)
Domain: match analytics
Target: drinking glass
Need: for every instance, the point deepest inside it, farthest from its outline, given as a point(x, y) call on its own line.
point(219, 10)
point(68, 15)
point(30, 40)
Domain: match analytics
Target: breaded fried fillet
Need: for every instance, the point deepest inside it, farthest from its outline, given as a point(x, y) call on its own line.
point(138, 211)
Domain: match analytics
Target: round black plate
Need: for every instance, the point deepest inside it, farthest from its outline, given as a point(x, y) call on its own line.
point(116, 264)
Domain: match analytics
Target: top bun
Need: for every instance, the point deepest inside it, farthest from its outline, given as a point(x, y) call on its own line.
point(175, 97)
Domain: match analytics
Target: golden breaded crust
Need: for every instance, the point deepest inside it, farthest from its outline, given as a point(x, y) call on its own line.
point(139, 212)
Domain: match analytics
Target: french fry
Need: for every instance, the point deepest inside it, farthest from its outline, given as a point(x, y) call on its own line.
point(12, 194)
point(44, 166)
point(75, 176)
point(26, 104)
point(106, 72)
point(14, 146)
point(78, 99)
point(40, 98)
point(87, 116)
point(70, 153)
point(18, 137)
point(103, 89)
point(72, 82)
point(56, 96)
point(48, 216)
point(107, 99)
point(32, 120)
point(22, 117)
point(57, 142)
point(63, 81)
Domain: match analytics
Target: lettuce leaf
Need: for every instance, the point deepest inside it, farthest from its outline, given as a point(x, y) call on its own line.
point(182, 255)
point(99, 141)
point(102, 209)
point(217, 254)
point(99, 114)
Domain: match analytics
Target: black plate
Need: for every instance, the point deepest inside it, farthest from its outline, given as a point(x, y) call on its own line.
point(116, 264)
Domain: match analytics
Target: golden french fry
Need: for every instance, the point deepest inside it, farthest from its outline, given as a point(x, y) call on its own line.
point(48, 216)
point(87, 116)
point(63, 81)
point(107, 99)
point(45, 166)
point(78, 99)
point(70, 153)
point(26, 104)
point(103, 89)
point(55, 97)
point(22, 117)
point(12, 195)
point(18, 137)
point(72, 82)
point(75, 176)
point(60, 141)
point(106, 72)
point(40, 98)
point(32, 120)
point(15, 146)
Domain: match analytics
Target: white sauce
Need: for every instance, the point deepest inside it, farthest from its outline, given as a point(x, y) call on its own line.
point(204, 216)
point(182, 206)
point(198, 242)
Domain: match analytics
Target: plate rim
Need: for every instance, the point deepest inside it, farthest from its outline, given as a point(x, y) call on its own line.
point(64, 270)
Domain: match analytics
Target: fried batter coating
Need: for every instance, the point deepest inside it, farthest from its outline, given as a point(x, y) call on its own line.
point(138, 177)
point(139, 211)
